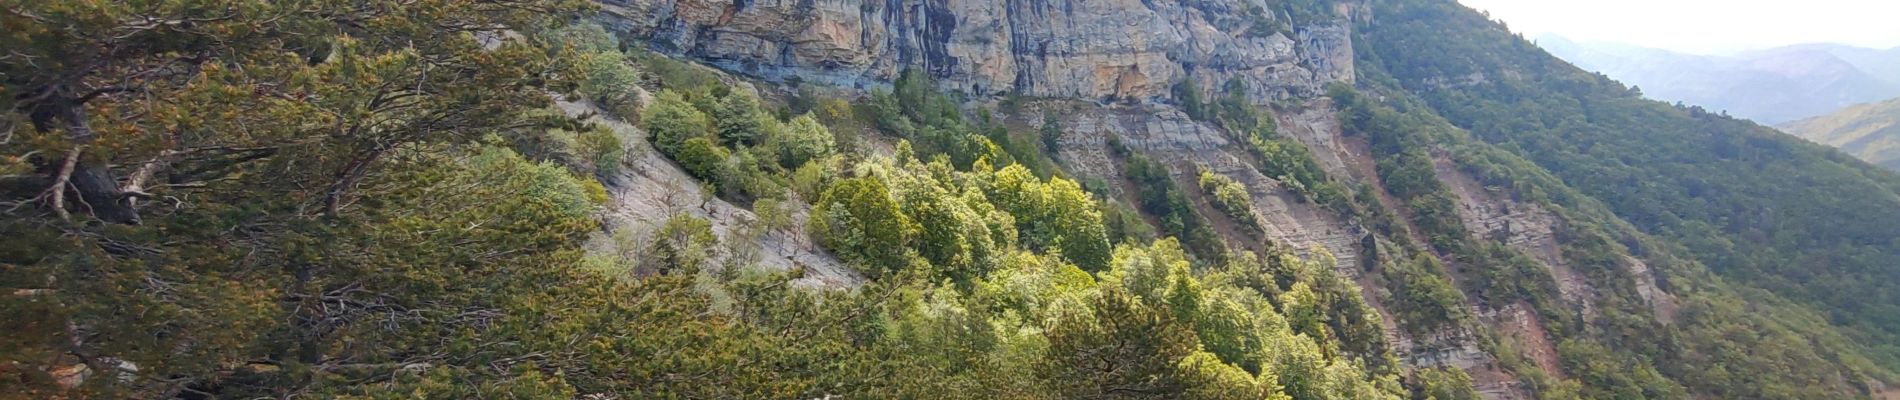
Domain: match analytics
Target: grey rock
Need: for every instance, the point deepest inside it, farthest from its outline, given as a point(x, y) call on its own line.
point(1100, 49)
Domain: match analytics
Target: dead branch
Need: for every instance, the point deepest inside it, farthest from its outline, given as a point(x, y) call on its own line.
point(58, 191)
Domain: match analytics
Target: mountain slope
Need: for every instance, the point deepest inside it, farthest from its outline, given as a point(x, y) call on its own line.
point(1869, 131)
point(1253, 199)
point(1771, 86)
point(1546, 263)
point(1680, 174)
point(1883, 64)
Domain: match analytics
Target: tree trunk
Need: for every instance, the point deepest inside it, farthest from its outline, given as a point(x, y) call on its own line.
point(98, 189)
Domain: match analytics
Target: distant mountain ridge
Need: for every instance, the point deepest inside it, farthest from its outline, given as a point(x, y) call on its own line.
point(1771, 86)
point(1870, 131)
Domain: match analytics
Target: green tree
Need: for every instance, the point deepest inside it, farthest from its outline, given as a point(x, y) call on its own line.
point(1188, 94)
point(1053, 215)
point(1445, 384)
point(670, 121)
point(706, 160)
point(803, 140)
point(610, 80)
point(684, 244)
point(584, 37)
point(1050, 133)
point(738, 120)
point(1231, 198)
point(1117, 347)
point(244, 157)
point(602, 148)
point(951, 235)
point(858, 219)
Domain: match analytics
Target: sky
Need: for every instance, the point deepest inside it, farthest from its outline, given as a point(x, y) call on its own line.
point(1704, 26)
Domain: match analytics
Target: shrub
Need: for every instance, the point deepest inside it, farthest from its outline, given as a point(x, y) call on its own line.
point(804, 140)
point(704, 160)
point(1231, 198)
point(857, 219)
point(811, 178)
point(610, 81)
point(671, 120)
point(602, 148)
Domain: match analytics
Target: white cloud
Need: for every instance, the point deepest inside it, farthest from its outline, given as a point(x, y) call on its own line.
point(1704, 26)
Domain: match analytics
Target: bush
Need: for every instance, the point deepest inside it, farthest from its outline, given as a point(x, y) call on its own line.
point(809, 179)
point(857, 219)
point(704, 160)
point(671, 120)
point(584, 38)
point(602, 148)
point(738, 120)
point(1051, 134)
point(804, 140)
point(1231, 198)
point(748, 178)
point(678, 75)
point(610, 82)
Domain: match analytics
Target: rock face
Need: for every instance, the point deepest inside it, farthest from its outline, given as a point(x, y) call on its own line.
point(1182, 144)
point(1098, 49)
point(1529, 228)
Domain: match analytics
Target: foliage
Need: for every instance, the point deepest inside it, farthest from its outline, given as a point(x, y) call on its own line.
point(1117, 345)
point(1159, 197)
point(1051, 134)
point(306, 207)
point(670, 121)
point(706, 160)
point(1639, 181)
point(598, 148)
point(1232, 198)
point(914, 110)
point(738, 120)
point(1403, 142)
point(1444, 384)
point(610, 80)
point(1053, 215)
point(1423, 298)
point(1187, 94)
point(804, 140)
point(858, 220)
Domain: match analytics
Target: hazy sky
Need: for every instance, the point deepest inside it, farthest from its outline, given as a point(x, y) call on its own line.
point(1704, 26)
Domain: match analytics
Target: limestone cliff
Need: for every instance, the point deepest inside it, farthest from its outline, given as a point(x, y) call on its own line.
point(1108, 49)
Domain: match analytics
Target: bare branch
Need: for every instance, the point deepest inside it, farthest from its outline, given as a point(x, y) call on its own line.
point(58, 191)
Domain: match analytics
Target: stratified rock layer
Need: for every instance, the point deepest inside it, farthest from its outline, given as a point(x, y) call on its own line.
point(1099, 49)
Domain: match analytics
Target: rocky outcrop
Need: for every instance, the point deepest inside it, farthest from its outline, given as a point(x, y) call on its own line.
point(1491, 381)
point(1316, 126)
point(1660, 302)
point(1529, 228)
point(1099, 50)
point(1182, 144)
point(1491, 214)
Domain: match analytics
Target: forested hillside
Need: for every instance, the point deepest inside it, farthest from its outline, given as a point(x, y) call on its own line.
point(1870, 131)
point(1759, 209)
point(568, 199)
